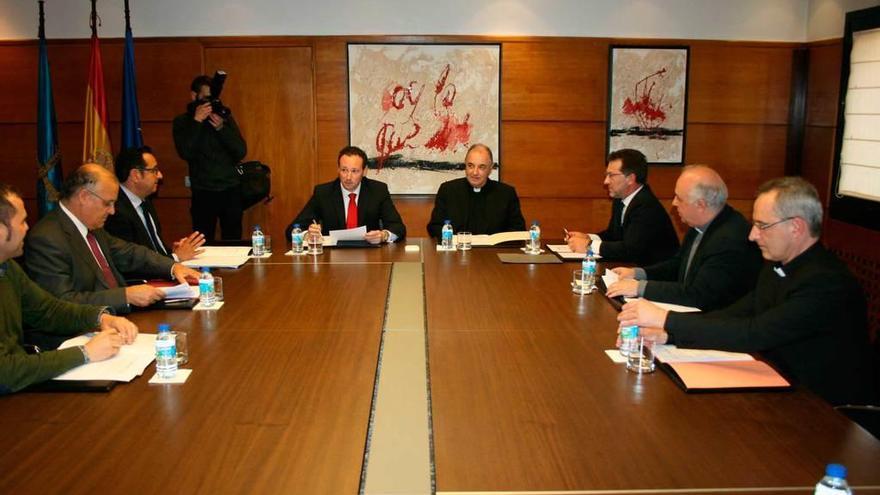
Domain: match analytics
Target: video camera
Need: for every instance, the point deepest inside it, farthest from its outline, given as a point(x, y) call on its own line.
point(217, 106)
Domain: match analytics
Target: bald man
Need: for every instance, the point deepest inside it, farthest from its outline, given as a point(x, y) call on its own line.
point(716, 264)
point(69, 253)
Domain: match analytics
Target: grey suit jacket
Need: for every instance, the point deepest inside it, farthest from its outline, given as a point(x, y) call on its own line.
point(59, 260)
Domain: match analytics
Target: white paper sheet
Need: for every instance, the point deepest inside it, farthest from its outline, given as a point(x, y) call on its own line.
point(130, 362)
point(180, 291)
point(220, 257)
point(667, 306)
point(356, 234)
point(566, 253)
point(672, 354)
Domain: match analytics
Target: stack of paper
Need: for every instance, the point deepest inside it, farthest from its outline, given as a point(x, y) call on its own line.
point(220, 257)
point(180, 291)
point(609, 278)
point(672, 354)
point(130, 362)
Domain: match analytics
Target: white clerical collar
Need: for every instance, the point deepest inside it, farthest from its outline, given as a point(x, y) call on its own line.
point(629, 198)
point(134, 198)
point(81, 227)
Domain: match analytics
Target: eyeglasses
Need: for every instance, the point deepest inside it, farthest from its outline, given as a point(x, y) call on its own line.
point(764, 226)
point(609, 175)
point(154, 170)
point(108, 203)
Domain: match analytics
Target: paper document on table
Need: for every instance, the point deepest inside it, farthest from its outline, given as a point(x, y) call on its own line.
point(180, 291)
point(609, 278)
point(672, 354)
point(130, 362)
point(667, 306)
point(491, 240)
point(356, 234)
point(565, 252)
point(220, 257)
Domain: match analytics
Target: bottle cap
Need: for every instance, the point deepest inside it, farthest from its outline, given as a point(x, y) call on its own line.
point(836, 471)
point(535, 223)
point(296, 225)
point(164, 327)
point(257, 226)
point(447, 222)
point(206, 269)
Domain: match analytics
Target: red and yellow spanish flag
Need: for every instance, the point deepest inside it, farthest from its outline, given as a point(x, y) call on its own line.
point(96, 141)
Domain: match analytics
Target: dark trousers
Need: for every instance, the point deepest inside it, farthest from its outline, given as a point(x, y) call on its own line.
point(209, 206)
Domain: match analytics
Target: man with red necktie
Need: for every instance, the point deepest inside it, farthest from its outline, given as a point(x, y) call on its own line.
point(350, 201)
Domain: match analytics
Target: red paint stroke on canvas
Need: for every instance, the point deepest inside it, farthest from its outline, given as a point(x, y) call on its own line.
point(645, 107)
point(453, 130)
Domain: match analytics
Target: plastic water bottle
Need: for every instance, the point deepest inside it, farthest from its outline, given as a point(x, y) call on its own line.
point(206, 288)
point(628, 336)
point(589, 268)
point(535, 238)
point(166, 352)
point(258, 242)
point(296, 239)
point(834, 482)
point(446, 235)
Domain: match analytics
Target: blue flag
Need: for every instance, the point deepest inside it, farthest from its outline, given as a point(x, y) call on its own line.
point(131, 116)
point(48, 155)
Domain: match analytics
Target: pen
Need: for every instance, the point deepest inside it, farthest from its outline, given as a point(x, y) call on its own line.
point(565, 230)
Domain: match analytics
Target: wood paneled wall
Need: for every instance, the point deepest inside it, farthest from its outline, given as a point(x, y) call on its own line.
point(289, 96)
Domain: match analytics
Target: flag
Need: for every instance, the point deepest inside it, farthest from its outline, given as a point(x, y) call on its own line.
point(96, 141)
point(131, 116)
point(48, 155)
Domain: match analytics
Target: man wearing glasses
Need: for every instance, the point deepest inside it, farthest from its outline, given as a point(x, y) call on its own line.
point(135, 219)
point(807, 314)
point(639, 230)
point(70, 255)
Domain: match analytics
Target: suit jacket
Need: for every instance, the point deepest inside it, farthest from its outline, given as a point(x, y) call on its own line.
point(59, 260)
point(810, 323)
point(646, 235)
point(725, 266)
point(498, 202)
point(126, 224)
point(327, 208)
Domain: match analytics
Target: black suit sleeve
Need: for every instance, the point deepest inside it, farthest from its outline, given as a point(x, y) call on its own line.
point(668, 269)
point(515, 220)
point(120, 226)
point(389, 216)
point(310, 212)
point(644, 229)
point(129, 257)
point(440, 212)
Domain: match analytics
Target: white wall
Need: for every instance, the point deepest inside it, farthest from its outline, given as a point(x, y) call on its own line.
point(776, 20)
point(826, 17)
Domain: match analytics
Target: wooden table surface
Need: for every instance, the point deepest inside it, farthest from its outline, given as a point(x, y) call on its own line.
point(523, 396)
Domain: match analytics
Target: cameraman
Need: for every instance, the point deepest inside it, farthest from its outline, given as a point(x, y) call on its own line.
point(212, 146)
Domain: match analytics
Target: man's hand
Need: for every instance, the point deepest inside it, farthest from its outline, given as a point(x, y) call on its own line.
point(216, 121)
point(575, 235)
point(624, 273)
point(103, 345)
point(184, 274)
point(143, 295)
point(643, 314)
point(126, 329)
point(655, 334)
point(374, 236)
point(188, 247)
point(578, 244)
point(626, 288)
point(202, 112)
point(315, 228)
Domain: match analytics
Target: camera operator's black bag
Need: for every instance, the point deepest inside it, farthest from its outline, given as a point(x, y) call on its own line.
point(256, 183)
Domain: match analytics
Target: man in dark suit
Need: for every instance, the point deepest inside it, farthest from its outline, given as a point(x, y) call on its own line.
point(807, 313)
point(639, 230)
point(135, 219)
point(350, 201)
point(69, 254)
point(475, 203)
point(716, 265)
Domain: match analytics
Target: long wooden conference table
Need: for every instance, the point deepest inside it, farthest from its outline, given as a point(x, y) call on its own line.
point(512, 393)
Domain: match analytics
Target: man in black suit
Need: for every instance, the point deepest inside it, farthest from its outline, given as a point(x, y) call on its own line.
point(475, 203)
point(807, 313)
point(135, 219)
point(716, 265)
point(639, 230)
point(352, 200)
point(69, 254)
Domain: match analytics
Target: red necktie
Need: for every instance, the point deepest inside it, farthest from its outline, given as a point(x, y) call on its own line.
point(102, 261)
point(352, 220)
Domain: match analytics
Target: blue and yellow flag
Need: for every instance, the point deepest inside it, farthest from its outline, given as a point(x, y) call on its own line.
point(131, 116)
point(48, 154)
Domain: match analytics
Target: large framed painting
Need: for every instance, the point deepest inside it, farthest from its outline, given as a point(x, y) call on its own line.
point(647, 101)
point(416, 108)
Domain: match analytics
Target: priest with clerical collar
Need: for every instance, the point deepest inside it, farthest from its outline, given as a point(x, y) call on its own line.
point(475, 203)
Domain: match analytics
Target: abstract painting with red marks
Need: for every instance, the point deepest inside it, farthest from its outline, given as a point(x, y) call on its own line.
point(648, 101)
point(415, 109)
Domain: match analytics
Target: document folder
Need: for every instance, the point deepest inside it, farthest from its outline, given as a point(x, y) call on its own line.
point(720, 376)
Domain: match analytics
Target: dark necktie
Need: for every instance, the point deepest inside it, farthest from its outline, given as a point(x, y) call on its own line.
point(352, 219)
point(102, 261)
point(151, 230)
